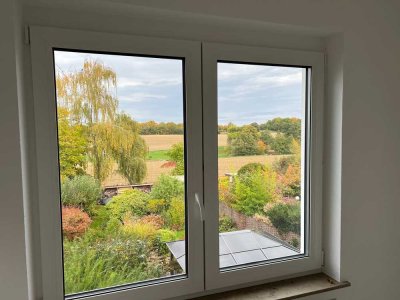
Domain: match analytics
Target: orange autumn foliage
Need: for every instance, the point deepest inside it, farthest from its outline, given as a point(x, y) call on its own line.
point(74, 222)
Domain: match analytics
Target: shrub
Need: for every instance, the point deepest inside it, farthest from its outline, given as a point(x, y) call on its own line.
point(155, 220)
point(280, 166)
point(251, 168)
point(167, 235)
point(225, 190)
point(285, 217)
point(294, 242)
point(226, 224)
point(156, 206)
point(81, 191)
point(75, 222)
point(175, 215)
point(253, 190)
point(130, 202)
point(167, 187)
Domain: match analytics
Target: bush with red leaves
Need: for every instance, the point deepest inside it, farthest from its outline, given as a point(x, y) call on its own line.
point(74, 222)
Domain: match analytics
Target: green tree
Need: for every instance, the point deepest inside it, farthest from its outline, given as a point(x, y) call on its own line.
point(176, 154)
point(281, 144)
point(72, 147)
point(244, 141)
point(152, 127)
point(266, 137)
point(253, 189)
point(289, 126)
point(167, 187)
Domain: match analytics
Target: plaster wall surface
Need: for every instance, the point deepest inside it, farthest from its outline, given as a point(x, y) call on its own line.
point(362, 142)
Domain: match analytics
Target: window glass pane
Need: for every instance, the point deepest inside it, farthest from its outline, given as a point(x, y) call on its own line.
point(261, 121)
point(122, 168)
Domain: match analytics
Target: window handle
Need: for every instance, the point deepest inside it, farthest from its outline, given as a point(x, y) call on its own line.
point(201, 207)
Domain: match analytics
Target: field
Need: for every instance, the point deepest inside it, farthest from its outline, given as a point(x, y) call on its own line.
point(162, 142)
point(157, 157)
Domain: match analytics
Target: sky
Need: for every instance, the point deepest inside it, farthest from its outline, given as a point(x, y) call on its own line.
point(151, 88)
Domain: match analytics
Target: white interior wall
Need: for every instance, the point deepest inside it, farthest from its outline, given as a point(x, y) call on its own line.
point(364, 239)
point(333, 155)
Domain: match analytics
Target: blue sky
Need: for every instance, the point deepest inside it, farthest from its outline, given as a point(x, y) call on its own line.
point(151, 88)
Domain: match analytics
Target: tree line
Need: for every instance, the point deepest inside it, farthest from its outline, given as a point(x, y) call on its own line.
point(276, 136)
point(162, 128)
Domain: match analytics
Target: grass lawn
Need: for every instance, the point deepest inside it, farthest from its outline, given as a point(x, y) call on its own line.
point(157, 155)
point(162, 154)
point(222, 152)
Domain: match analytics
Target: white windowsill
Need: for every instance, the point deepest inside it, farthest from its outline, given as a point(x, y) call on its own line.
point(285, 289)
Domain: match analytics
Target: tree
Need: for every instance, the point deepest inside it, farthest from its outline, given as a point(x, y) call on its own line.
point(266, 137)
point(244, 141)
point(89, 97)
point(152, 127)
point(89, 93)
point(281, 144)
point(292, 177)
point(289, 126)
point(132, 160)
point(176, 154)
point(72, 147)
point(291, 181)
point(167, 187)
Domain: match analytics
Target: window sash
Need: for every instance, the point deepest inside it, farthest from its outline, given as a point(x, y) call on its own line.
point(212, 53)
point(44, 40)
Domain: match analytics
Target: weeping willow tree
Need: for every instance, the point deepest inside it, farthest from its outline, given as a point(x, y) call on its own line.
point(132, 159)
point(89, 96)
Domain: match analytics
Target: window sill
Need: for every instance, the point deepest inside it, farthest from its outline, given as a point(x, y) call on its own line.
point(285, 289)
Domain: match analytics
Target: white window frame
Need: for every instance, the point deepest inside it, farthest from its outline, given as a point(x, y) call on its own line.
point(201, 60)
point(43, 41)
point(287, 267)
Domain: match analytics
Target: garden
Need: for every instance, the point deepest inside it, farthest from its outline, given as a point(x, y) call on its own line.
point(122, 238)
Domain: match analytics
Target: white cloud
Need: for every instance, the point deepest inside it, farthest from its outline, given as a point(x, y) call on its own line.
point(139, 82)
point(140, 97)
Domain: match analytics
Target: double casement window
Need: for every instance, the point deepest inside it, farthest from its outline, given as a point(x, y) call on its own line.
point(171, 168)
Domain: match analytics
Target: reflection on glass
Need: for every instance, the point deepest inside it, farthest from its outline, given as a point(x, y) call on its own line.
point(121, 159)
point(260, 119)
